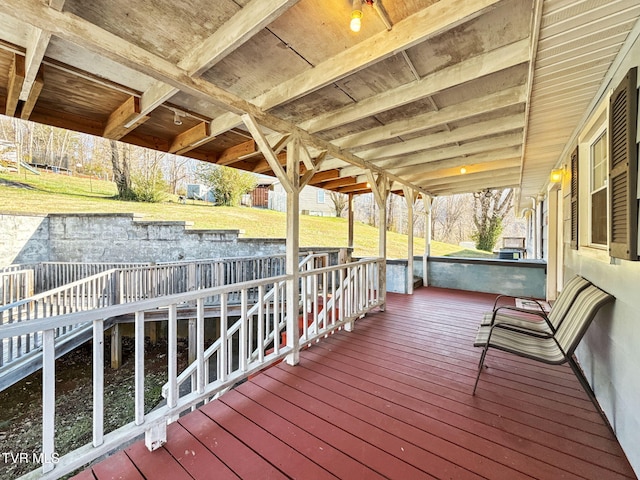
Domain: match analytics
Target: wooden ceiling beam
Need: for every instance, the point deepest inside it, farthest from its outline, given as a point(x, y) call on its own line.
point(454, 113)
point(470, 169)
point(333, 184)
point(363, 187)
point(467, 133)
point(324, 176)
point(233, 154)
point(507, 182)
point(481, 65)
point(36, 47)
point(263, 166)
point(470, 178)
point(116, 126)
point(399, 164)
point(191, 139)
point(97, 40)
point(417, 28)
point(16, 79)
point(67, 121)
point(34, 92)
point(248, 21)
point(513, 152)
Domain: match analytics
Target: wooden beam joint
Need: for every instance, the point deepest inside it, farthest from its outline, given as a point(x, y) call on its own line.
point(117, 124)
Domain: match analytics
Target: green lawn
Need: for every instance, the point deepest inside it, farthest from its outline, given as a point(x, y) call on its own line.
point(54, 193)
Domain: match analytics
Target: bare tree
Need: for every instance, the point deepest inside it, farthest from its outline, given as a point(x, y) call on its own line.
point(121, 172)
point(490, 208)
point(177, 171)
point(340, 202)
point(451, 218)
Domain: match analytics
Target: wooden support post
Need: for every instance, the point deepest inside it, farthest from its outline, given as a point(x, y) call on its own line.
point(350, 217)
point(380, 188)
point(16, 79)
point(116, 346)
point(152, 332)
point(427, 239)
point(290, 180)
point(293, 250)
point(192, 340)
point(409, 196)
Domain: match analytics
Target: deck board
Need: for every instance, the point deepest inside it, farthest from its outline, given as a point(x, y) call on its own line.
point(392, 399)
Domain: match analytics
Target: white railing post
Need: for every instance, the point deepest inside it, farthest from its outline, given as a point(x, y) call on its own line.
point(48, 399)
point(223, 353)
point(98, 382)
point(172, 356)
point(139, 368)
point(244, 334)
point(201, 379)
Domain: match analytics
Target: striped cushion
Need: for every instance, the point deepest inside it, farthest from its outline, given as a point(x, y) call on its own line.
point(564, 301)
point(579, 316)
point(530, 322)
point(543, 349)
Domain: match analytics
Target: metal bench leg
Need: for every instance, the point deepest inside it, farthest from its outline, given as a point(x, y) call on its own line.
point(587, 388)
point(484, 354)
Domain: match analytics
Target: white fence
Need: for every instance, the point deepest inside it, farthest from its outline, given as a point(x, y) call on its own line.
point(125, 284)
point(329, 298)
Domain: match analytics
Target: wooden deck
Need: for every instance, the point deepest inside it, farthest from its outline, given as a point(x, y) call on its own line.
point(391, 400)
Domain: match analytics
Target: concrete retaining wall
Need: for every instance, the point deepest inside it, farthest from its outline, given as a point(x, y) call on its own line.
point(119, 238)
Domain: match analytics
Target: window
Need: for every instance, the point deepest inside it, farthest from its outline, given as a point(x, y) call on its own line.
point(598, 190)
point(320, 196)
point(604, 175)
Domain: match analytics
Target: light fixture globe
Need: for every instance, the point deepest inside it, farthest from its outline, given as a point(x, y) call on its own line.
point(356, 16)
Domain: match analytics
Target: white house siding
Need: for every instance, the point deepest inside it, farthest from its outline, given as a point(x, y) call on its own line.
point(610, 351)
point(309, 204)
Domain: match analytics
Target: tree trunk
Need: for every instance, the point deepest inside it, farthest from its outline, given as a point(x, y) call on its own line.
point(121, 174)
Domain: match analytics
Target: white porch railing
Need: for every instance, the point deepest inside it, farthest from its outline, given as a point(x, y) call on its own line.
point(16, 285)
point(246, 345)
point(125, 284)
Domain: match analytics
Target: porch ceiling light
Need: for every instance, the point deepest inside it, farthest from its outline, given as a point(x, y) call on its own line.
point(356, 16)
point(557, 174)
point(463, 170)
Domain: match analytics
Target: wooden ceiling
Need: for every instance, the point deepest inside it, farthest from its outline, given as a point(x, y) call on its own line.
point(425, 88)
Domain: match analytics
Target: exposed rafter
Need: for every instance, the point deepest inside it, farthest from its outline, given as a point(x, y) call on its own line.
point(473, 68)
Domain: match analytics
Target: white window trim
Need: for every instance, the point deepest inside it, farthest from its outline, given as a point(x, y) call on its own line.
point(595, 126)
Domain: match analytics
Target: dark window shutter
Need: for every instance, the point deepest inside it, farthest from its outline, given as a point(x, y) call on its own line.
point(623, 169)
point(574, 199)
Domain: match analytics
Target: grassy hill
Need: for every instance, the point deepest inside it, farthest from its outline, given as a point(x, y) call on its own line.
point(53, 193)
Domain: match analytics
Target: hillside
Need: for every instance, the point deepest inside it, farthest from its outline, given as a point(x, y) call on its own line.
point(54, 193)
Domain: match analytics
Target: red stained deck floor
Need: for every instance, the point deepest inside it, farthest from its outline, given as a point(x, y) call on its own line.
point(391, 400)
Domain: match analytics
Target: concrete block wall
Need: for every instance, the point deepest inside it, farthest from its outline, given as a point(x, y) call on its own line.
point(119, 238)
point(23, 238)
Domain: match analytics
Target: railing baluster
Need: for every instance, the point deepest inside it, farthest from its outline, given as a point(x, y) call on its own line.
point(98, 382)
point(139, 368)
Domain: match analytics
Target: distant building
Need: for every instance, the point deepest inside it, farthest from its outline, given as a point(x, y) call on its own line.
point(313, 201)
point(198, 191)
